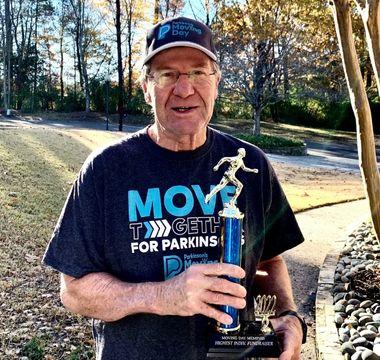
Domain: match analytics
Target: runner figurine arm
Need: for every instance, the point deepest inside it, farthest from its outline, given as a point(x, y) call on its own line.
point(243, 167)
point(221, 161)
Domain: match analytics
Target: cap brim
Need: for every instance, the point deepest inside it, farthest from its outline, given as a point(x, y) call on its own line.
point(178, 44)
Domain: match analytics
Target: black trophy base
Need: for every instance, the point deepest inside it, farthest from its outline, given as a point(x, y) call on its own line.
point(249, 342)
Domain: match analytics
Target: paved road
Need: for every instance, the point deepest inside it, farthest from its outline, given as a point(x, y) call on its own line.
point(347, 150)
point(328, 155)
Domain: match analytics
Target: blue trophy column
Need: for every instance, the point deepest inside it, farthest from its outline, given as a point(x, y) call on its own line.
point(231, 254)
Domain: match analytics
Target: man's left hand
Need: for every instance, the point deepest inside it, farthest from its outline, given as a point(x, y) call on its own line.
point(289, 331)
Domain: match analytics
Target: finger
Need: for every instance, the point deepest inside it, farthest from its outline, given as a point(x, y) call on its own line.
point(215, 314)
point(228, 287)
point(285, 355)
point(219, 269)
point(217, 298)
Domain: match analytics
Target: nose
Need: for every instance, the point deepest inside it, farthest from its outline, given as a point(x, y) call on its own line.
point(183, 87)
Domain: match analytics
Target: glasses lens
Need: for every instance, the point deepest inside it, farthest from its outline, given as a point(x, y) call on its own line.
point(165, 78)
point(170, 77)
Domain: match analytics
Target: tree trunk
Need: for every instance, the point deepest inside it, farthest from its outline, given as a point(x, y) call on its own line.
point(156, 11)
point(81, 55)
point(256, 116)
point(61, 86)
point(360, 106)
point(7, 58)
point(4, 54)
point(120, 102)
point(274, 112)
point(35, 57)
point(129, 44)
point(79, 61)
point(370, 14)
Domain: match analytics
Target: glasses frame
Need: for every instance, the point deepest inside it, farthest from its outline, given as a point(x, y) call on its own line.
point(178, 73)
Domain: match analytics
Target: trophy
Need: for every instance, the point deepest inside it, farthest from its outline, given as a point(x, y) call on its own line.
point(240, 339)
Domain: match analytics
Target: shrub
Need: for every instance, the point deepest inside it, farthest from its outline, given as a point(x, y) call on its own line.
point(138, 105)
point(269, 141)
point(320, 114)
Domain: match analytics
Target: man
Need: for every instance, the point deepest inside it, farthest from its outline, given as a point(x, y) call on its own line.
point(136, 243)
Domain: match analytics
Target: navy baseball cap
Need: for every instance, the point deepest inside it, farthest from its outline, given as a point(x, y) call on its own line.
point(179, 31)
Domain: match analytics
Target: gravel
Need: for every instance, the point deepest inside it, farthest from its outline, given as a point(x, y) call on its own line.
point(357, 303)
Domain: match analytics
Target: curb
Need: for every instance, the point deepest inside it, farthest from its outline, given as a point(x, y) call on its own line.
point(326, 335)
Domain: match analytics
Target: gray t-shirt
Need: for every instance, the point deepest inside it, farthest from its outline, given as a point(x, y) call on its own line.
point(137, 211)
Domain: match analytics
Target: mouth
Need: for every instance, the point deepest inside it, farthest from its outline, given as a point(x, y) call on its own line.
point(183, 109)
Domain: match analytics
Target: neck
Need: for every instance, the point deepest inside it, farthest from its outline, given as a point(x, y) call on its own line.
point(176, 142)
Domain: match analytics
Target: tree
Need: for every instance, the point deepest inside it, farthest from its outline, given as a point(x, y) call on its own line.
point(119, 65)
point(360, 106)
point(166, 8)
point(62, 21)
point(81, 20)
point(7, 54)
point(370, 13)
point(255, 37)
point(134, 16)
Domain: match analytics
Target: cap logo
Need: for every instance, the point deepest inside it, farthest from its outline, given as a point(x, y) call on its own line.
point(163, 31)
point(182, 28)
point(179, 28)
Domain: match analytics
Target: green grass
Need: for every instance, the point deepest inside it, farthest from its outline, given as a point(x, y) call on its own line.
point(37, 168)
point(269, 141)
point(34, 349)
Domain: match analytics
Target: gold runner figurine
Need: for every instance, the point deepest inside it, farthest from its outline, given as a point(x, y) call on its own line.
point(236, 163)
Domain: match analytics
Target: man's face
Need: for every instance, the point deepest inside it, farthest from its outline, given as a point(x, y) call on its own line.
point(183, 108)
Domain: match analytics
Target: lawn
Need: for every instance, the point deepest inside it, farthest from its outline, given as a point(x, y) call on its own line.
point(37, 168)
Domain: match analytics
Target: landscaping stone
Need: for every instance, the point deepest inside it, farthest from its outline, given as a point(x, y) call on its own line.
point(353, 302)
point(338, 319)
point(354, 336)
point(360, 341)
point(339, 296)
point(365, 319)
point(343, 330)
point(368, 334)
point(369, 355)
point(348, 348)
point(357, 312)
point(351, 321)
point(366, 304)
point(357, 356)
point(372, 328)
point(339, 307)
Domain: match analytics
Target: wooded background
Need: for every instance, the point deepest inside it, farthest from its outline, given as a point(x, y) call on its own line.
point(280, 59)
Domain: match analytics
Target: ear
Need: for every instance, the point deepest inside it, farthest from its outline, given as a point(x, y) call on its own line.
point(147, 97)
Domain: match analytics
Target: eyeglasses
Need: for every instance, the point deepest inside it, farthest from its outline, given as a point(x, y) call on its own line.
point(170, 77)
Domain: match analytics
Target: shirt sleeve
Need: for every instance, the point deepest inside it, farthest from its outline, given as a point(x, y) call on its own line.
point(77, 244)
point(281, 228)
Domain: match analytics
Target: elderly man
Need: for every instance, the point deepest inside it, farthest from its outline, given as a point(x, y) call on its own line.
point(137, 244)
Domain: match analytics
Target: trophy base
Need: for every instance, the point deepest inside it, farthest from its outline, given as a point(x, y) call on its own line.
point(249, 342)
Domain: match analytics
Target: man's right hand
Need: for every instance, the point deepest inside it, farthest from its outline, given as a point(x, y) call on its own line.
point(198, 288)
